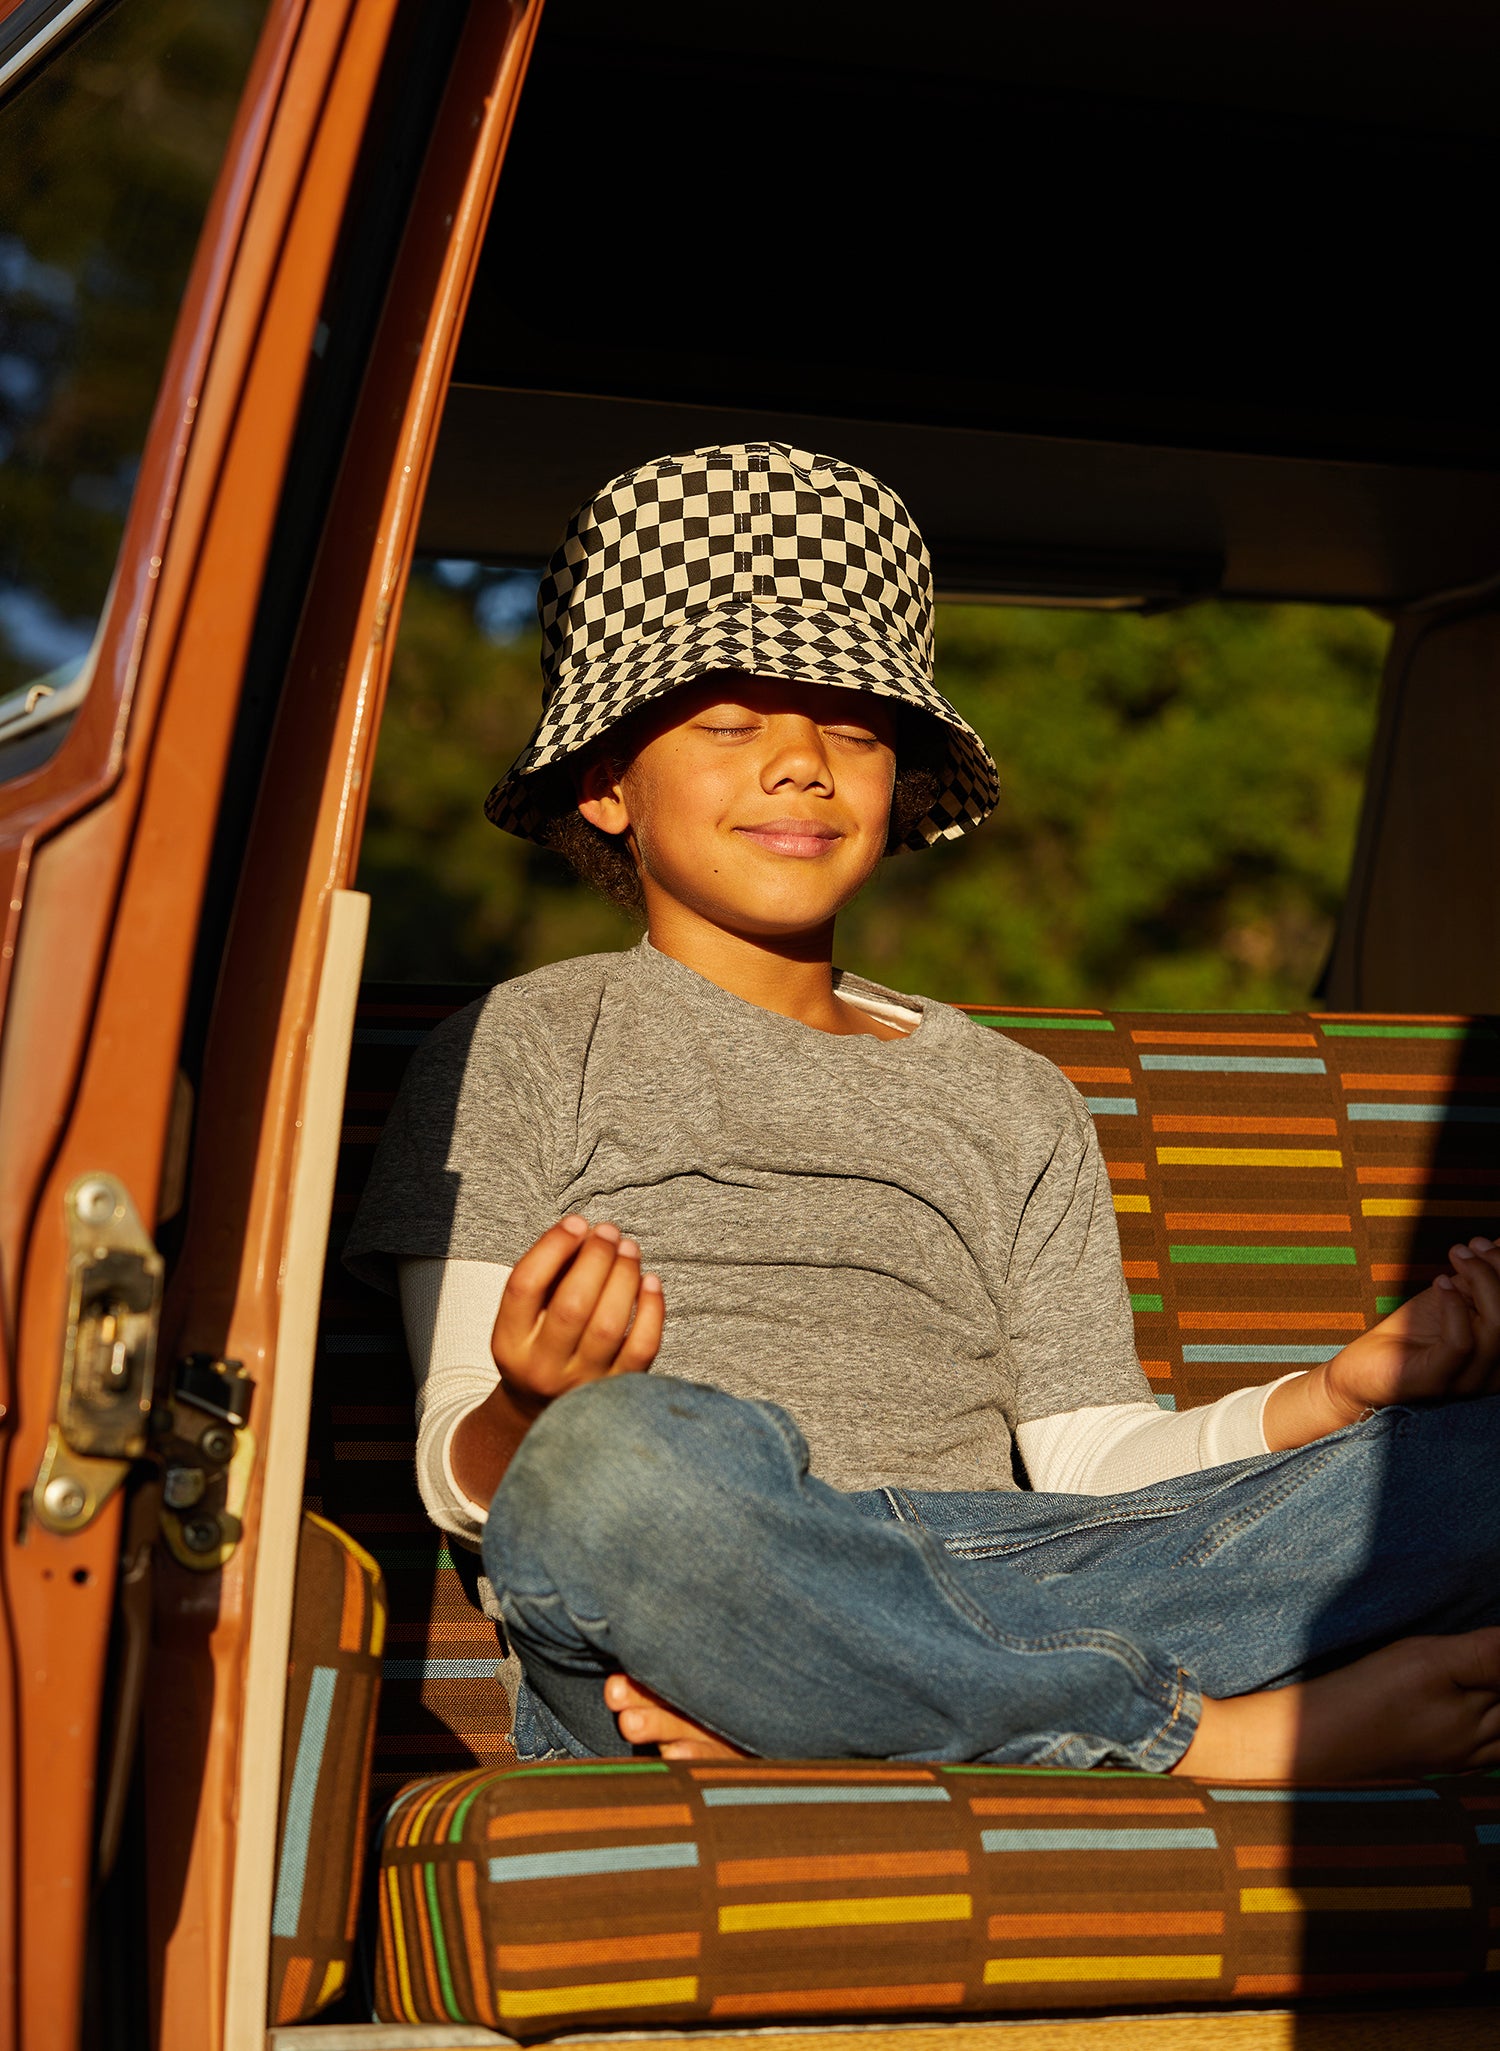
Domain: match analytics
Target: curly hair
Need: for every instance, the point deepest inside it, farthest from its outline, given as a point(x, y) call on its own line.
point(604, 861)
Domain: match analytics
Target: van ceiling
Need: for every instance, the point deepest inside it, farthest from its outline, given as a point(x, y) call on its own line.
point(1127, 302)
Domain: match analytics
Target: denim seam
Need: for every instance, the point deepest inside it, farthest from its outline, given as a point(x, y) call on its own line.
point(979, 1548)
point(1107, 1644)
point(1144, 1752)
point(791, 1439)
point(1251, 1514)
point(905, 1509)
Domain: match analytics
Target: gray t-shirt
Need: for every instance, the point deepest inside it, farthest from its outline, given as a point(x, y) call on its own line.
point(908, 1244)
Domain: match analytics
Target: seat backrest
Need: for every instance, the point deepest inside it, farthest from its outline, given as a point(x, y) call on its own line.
point(1281, 1181)
point(440, 1708)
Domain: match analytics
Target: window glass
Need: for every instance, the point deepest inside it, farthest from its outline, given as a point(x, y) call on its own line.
point(108, 155)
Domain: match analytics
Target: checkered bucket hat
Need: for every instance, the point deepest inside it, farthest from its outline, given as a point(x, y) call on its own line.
point(757, 558)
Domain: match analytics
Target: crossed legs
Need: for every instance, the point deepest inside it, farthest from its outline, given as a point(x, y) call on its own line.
point(665, 1530)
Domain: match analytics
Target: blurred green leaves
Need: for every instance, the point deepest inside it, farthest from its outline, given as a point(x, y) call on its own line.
point(453, 899)
point(108, 158)
point(1178, 810)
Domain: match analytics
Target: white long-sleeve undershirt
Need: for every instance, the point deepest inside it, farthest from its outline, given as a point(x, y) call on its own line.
point(449, 1307)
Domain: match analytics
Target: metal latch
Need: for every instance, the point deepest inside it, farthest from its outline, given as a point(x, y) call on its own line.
point(109, 1355)
point(208, 1453)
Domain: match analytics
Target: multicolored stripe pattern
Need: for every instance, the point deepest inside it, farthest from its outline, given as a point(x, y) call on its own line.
point(539, 1899)
point(1281, 1180)
point(333, 1691)
point(445, 1703)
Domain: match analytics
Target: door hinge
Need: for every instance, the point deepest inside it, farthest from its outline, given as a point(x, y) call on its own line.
point(109, 1357)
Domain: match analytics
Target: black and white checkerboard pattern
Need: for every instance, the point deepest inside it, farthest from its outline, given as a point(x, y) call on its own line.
point(755, 557)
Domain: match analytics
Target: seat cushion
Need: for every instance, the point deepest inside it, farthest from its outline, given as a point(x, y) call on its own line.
point(655, 1894)
point(333, 1689)
point(1280, 1181)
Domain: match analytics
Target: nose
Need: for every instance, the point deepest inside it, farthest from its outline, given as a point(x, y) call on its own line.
point(795, 757)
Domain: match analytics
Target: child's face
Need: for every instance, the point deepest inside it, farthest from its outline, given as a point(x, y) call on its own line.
point(762, 806)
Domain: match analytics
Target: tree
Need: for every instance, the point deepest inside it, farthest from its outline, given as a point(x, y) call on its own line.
point(1179, 802)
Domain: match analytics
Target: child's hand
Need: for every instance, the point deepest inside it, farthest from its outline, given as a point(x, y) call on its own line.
point(565, 1316)
point(1440, 1345)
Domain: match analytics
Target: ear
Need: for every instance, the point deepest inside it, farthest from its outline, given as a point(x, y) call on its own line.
point(601, 798)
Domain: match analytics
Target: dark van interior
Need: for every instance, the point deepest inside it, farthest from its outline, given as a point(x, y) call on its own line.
point(1135, 308)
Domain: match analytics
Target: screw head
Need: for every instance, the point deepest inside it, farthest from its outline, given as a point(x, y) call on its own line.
point(201, 1534)
point(182, 1487)
point(94, 1202)
point(64, 1498)
point(217, 1444)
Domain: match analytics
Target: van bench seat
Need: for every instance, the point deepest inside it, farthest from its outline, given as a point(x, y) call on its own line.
point(658, 1894)
point(1280, 1180)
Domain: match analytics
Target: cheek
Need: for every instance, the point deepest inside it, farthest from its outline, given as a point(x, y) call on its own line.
point(870, 793)
point(670, 812)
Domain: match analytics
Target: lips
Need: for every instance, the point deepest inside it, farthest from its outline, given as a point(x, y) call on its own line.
point(804, 839)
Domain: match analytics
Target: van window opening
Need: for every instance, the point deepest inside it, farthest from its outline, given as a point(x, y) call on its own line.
point(1180, 794)
point(108, 156)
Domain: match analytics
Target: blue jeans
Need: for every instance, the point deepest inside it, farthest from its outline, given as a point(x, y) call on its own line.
point(670, 1531)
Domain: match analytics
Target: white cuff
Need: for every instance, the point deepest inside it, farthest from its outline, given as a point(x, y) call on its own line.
point(472, 1512)
point(448, 1309)
point(1111, 1448)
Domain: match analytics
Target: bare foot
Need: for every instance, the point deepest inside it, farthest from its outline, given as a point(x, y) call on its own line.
point(1422, 1705)
point(644, 1719)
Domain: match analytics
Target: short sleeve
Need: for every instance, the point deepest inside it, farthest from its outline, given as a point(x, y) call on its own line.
point(1068, 1316)
point(461, 1169)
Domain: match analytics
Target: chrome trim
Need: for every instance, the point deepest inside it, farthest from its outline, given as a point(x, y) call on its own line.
point(67, 16)
point(46, 698)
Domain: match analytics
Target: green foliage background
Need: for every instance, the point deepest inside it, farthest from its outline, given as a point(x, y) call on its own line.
point(1178, 813)
point(108, 159)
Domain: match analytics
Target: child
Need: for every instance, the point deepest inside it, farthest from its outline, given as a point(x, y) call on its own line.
point(884, 1265)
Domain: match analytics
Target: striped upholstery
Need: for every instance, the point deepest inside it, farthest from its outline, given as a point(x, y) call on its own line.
point(636, 1892)
point(333, 1687)
point(1281, 1181)
point(443, 1702)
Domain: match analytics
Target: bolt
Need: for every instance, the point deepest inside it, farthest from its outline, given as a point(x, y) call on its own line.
point(95, 1202)
point(217, 1444)
point(183, 1487)
point(201, 1534)
point(64, 1498)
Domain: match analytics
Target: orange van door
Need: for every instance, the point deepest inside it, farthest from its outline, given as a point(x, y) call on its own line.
point(202, 203)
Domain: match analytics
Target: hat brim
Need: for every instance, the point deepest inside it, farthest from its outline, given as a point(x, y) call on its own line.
point(756, 638)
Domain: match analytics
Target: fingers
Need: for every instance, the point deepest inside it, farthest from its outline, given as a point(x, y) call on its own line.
point(599, 1342)
point(568, 1307)
point(531, 1281)
point(643, 1342)
point(576, 1299)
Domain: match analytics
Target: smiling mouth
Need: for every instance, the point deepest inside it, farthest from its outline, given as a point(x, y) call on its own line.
point(804, 839)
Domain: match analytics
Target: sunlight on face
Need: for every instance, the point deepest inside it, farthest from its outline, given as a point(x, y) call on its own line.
point(760, 805)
